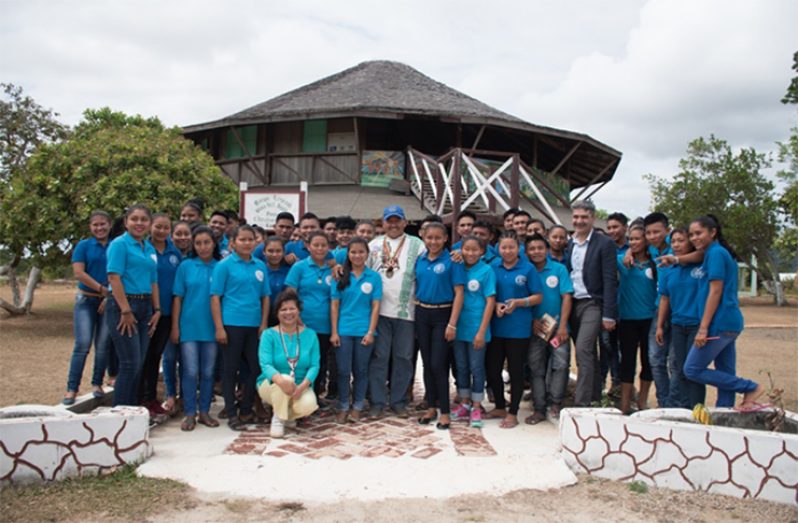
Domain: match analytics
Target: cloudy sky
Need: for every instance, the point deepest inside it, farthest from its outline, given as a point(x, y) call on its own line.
point(645, 77)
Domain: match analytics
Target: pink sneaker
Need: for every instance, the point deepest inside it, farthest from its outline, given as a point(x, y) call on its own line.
point(461, 412)
point(476, 418)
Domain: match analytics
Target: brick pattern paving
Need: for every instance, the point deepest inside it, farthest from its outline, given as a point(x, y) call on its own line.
point(391, 437)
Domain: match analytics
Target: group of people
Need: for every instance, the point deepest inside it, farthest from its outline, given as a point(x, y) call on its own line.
point(308, 315)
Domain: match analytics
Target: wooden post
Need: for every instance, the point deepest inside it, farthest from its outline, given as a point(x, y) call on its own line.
point(359, 148)
point(515, 181)
point(455, 179)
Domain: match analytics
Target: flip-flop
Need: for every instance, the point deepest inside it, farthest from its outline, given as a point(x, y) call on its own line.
point(505, 424)
point(495, 415)
point(755, 407)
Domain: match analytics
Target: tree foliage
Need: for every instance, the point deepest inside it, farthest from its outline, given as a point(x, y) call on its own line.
point(791, 97)
point(110, 161)
point(714, 179)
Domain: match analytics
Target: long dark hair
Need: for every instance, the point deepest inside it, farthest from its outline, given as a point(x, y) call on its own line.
point(204, 229)
point(711, 222)
point(346, 276)
point(651, 263)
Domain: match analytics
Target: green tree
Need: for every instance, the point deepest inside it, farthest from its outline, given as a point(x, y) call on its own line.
point(716, 180)
point(791, 97)
point(109, 161)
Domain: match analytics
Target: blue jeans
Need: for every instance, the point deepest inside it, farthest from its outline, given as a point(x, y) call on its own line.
point(88, 325)
point(130, 350)
point(171, 357)
point(197, 362)
point(724, 354)
point(353, 357)
point(658, 359)
point(683, 393)
point(470, 370)
point(395, 345)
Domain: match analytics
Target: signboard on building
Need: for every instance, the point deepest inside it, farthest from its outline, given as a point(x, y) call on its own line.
point(378, 168)
point(261, 206)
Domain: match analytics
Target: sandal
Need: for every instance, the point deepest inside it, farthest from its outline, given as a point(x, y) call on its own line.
point(509, 423)
point(236, 423)
point(535, 418)
point(189, 422)
point(207, 420)
point(496, 414)
point(752, 407)
point(426, 420)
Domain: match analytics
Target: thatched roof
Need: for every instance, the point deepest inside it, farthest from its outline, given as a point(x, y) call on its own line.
point(382, 88)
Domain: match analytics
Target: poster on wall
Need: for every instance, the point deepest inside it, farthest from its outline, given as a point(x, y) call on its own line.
point(378, 168)
point(261, 206)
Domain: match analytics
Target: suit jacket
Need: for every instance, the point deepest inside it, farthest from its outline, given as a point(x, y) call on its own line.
point(600, 272)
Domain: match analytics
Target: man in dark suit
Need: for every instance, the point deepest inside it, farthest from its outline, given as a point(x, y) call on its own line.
point(592, 264)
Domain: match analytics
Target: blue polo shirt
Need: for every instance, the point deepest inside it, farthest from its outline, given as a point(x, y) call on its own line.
point(135, 262)
point(491, 251)
point(656, 253)
point(312, 284)
point(563, 261)
point(92, 254)
point(435, 279)
point(193, 285)
point(298, 249)
point(224, 246)
point(354, 312)
point(339, 253)
point(637, 291)
point(555, 281)
point(480, 284)
point(520, 281)
point(625, 247)
point(168, 261)
point(680, 285)
point(277, 281)
point(241, 285)
point(719, 265)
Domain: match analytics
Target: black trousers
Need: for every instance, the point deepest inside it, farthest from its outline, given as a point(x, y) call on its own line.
point(242, 343)
point(148, 386)
point(633, 334)
point(327, 379)
point(435, 351)
point(514, 350)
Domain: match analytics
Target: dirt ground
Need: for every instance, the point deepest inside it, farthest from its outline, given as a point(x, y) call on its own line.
point(35, 349)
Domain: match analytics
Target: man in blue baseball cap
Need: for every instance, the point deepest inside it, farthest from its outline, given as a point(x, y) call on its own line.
point(394, 255)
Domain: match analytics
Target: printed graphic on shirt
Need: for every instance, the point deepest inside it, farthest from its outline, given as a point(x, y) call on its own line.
point(328, 280)
point(552, 281)
point(649, 273)
point(473, 285)
point(259, 275)
point(520, 280)
point(366, 288)
point(697, 273)
point(173, 260)
point(154, 257)
point(439, 268)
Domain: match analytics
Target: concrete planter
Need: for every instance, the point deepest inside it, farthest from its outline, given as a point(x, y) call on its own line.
point(664, 448)
point(41, 443)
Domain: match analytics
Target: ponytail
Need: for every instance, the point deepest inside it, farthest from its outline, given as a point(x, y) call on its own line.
point(711, 222)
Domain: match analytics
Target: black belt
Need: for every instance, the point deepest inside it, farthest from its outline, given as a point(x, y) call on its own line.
point(434, 305)
point(138, 296)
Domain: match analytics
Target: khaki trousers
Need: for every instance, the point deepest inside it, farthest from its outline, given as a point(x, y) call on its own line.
point(284, 406)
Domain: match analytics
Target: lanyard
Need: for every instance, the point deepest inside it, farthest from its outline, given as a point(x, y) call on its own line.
point(292, 362)
point(390, 262)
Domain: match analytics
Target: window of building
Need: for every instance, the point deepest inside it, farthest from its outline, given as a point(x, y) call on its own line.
point(314, 136)
point(248, 135)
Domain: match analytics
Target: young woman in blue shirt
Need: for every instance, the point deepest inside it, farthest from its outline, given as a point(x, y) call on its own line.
point(473, 330)
point(273, 254)
point(133, 310)
point(168, 259)
point(192, 328)
point(240, 309)
point(637, 295)
point(439, 300)
point(678, 303)
point(89, 263)
point(721, 320)
point(517, 291)
point(354, 311)
point(311, 278)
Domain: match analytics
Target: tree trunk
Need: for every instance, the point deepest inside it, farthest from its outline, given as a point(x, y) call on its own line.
point(23, 306)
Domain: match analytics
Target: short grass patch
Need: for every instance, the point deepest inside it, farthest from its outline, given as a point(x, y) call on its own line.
point(121, 496)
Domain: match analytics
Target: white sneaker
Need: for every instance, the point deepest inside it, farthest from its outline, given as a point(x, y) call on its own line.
point(277, 429)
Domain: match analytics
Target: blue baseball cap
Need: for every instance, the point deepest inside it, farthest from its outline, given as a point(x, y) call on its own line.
point(393, 210)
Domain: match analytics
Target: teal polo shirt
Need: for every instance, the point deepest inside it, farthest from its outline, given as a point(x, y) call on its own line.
point(193, 285)
point(241, 285)
point(480, 284)
point(92, 254)
point(680, 285)
point(354, 310)
point(555, 282)
point(520, 281)
point(168, 261)
point(637, 291)
point(135, 262)
point(435, 279)
point(312, 283)
point(719, 265)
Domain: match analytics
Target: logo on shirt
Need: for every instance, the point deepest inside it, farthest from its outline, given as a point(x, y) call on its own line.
point(259, 275)
point(520, 280)
point(649, 273)
point(367, 287)
point(173, 260)
point(328, 280)
point(154, 258)
point(473, 285)
point(697, 273)
point(439, 268)
point(552, 281)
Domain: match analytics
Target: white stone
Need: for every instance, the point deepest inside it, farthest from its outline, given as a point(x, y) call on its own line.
point(611, 428)
point(68, 469)
point(692, 439)
point(785, 468)
point(746, 473)
point(731, 441)
point(775, 491)
point(137, 455)
point(702, 472)
point(649, 430)
point(98, 453)
point(44, 456)
point(136, 430)
point(66, 430)
point(587, 426)
point(637, 447)
point(763, 447)
point(617, 466)
point(727, 489)
point(671, 478)
point(16, 433)
point(568, 436)
point(595, 450)
point(666, 455)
